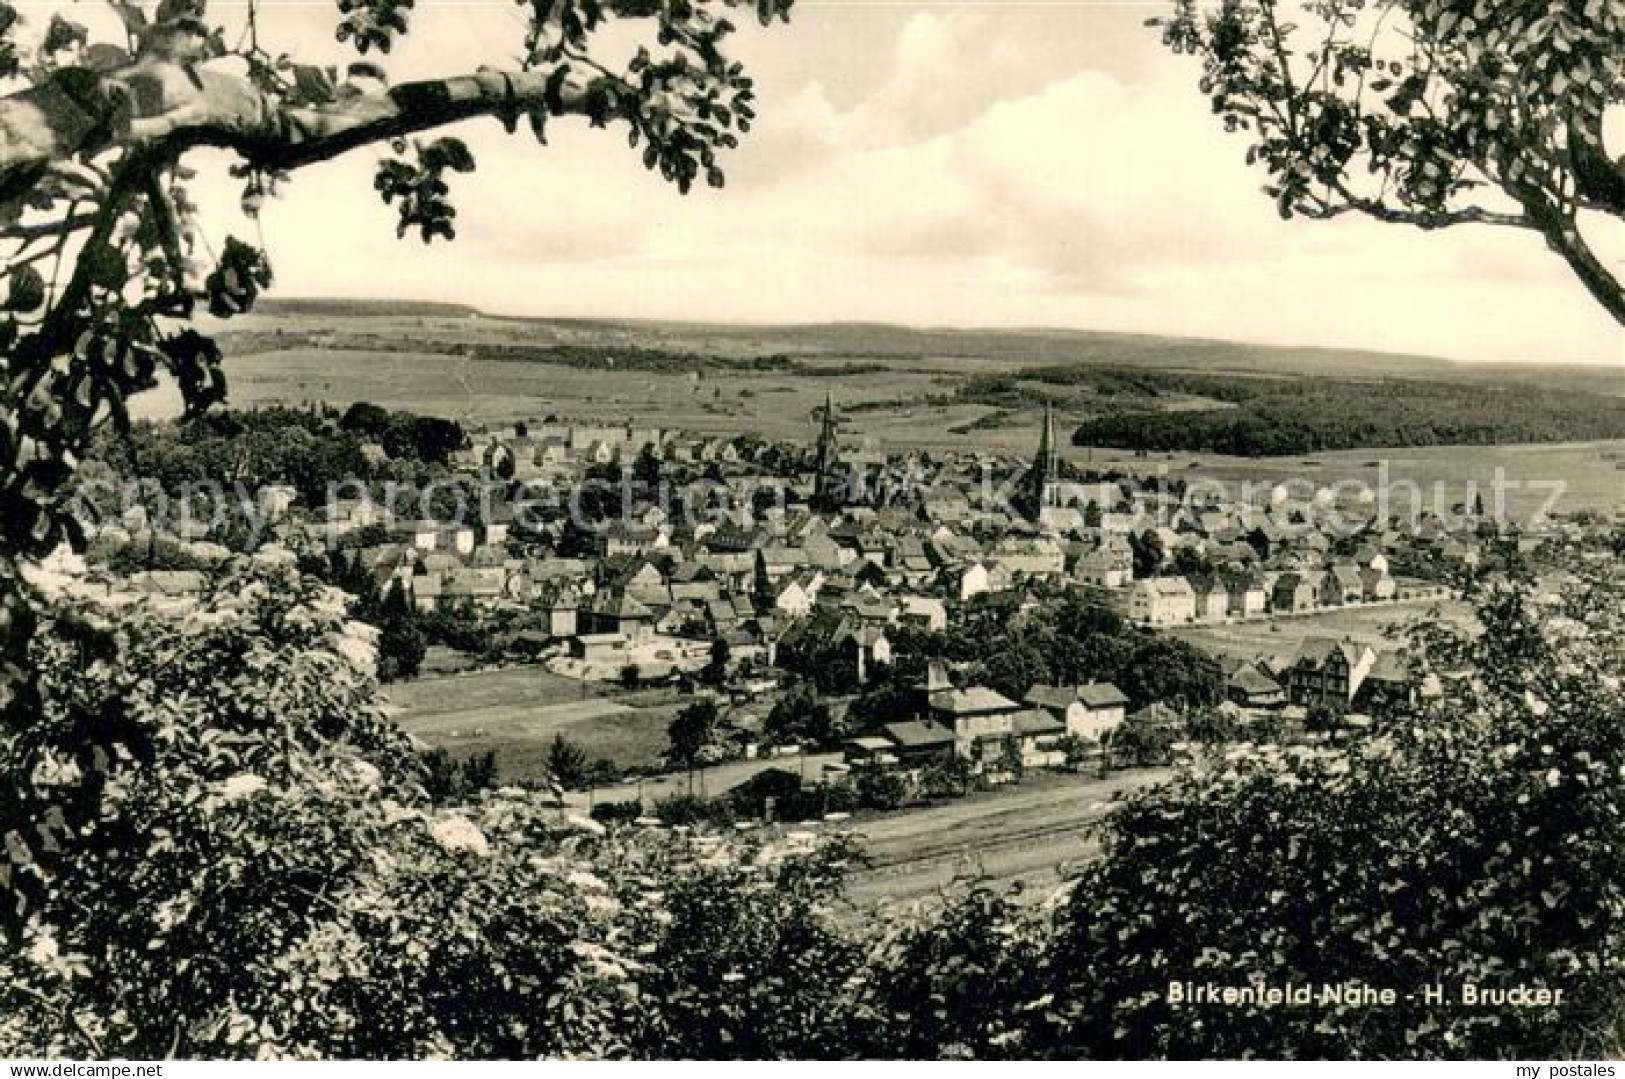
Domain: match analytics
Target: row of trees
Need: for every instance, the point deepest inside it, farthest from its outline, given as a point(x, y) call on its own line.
point(314, 450)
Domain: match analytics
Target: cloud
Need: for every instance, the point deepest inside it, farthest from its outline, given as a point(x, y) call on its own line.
point(1020, 167)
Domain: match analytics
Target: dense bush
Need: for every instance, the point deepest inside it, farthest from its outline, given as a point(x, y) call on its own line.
point(217, 846)
point(1481, 842)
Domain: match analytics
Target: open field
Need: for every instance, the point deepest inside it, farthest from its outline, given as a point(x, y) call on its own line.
point(1281, 636)
point(516, 712)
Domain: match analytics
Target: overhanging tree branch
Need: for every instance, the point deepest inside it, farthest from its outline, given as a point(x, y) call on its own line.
point(176, 107)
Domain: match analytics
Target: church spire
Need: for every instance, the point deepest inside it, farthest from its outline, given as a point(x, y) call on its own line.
point(1047, 461)
point(825, 482)
point(1046, 469)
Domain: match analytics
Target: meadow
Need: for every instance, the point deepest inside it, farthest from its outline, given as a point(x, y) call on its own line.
point(516, 712)
point(1382, 626)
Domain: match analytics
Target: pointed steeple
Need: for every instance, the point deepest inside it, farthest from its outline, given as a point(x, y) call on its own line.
point(825, 482)
point(1048, 464)
point(1041, 478)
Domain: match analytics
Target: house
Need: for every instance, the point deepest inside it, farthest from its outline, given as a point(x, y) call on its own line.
point(1390, 685)
point(1059, 701)
point(1248, 599)
point(1109, 565)
point(621, 614)
point(733, 569)
point(1101, 708)
point(275, 500)
point(1030, 557)
point(561, 610)
point(424, 535)
point(1211, 600)
point(690, 581)
point(870, 750)
point(1377, 584)
point(169, 583)
point(1344, 584)
point(1039, 736)
point(867, 648)
point(918, 742)
point(1251, 687)
point(722, 615)
point(910, 563)
point(599, 648)
point(776, 563)
point(631, 539)
point(427, 590)
point(927, 612)
point(1162, 601)
point(794, 597)
point(1086, 712)
point(1369, 556)
point(1158, 716)
point(1327, 673)
point(974, 579)
point(481, 585)
point(982, 720)
point(1292, 593)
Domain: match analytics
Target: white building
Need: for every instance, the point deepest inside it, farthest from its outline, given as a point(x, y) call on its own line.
point(1162, 601)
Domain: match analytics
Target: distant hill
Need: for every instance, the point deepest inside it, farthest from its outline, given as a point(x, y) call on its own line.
point(317, 307)
point(1037, 347)
point(961, 351)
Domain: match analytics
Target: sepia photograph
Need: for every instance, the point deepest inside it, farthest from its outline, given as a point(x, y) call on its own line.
point(810, 530)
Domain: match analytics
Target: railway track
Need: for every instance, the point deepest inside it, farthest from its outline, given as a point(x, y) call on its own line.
point(975, 846)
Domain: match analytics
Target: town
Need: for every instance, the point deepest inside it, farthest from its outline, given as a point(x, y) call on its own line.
point(833, 602)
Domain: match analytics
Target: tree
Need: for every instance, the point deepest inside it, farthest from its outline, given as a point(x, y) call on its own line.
point(1479, 844)
point(647, 468)
point(1148, 552)
point(567, 762)
point(1138, 743)
point(1170, 671)
point(715, 671)
point(401, 644)
point(104, 263)
point(878, 788)
point(1431, 113)
point(950, 777)
point(1016, 668)
point(800, 715)
point(690, 732)
point(1210, 726)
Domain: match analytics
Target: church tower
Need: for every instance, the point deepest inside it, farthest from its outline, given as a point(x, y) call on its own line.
point(1046, 470)
point(826, 484)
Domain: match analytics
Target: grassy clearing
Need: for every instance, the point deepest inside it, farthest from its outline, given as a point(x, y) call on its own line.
point(516, 713)
point(1281, 636)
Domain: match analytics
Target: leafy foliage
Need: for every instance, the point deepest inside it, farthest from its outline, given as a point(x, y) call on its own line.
point(1412, 111)
point(1478, 844)
point(227, 851)
point(104, 264)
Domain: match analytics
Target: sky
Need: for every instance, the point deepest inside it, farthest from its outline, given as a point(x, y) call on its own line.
point(969, 163)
